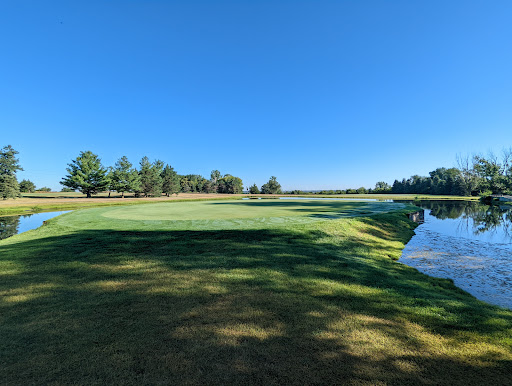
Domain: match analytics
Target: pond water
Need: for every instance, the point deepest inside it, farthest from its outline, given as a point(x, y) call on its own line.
point(12, 225)
point(467, 242)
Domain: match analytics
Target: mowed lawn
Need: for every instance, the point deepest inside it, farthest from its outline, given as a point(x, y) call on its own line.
point(238, 292)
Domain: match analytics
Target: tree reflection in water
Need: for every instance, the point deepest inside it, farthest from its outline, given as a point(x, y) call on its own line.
point(479, 217)
point(9, 226)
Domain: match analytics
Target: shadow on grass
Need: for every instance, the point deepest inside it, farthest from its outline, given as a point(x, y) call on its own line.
point(237, 307)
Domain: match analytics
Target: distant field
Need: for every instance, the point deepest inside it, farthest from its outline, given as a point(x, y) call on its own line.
point(252, 292)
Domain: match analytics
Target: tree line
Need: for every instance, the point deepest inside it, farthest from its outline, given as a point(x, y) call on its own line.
point(151, 179)
point(87, 175)
point(476, 175)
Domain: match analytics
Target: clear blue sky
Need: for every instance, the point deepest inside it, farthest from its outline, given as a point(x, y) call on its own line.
point(321, 94)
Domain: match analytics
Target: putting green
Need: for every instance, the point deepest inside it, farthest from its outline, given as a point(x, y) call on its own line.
point(235, 214)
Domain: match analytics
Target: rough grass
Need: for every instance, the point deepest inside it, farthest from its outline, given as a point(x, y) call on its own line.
point(309, 303)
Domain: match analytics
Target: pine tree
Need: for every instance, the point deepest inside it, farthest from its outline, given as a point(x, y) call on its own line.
point(170, 181)
point(86, 174)
point(27, 186)
point(271, 187)
point(125, 178)
point(150, 179)
point(9, 165)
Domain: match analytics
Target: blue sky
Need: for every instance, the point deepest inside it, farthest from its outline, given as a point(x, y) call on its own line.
point(321, 94)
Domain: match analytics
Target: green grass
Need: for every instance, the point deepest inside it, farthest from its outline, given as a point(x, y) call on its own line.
point(51, 206)
point(111, 296)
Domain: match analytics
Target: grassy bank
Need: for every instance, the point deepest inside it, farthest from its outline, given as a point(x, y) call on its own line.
point(106, 296)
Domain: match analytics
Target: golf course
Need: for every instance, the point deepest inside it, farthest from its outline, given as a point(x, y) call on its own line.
point(238, 292)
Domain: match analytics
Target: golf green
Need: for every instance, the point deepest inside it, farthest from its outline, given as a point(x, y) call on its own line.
point(233, 214)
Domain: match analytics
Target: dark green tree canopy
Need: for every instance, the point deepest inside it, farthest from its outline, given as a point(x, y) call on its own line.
point(271, 187)
point(86, 174)
point(124, 178)
point(230, 184)
point(254, 189)
point(170, 181)
point(150, 177)
point(27, 186)
point(9, 165)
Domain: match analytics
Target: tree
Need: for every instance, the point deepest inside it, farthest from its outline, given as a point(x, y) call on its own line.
point(27, 186)
point(170, 181)
point(382, 187)
point(9, 165)
point(271, 187)
point(230, 184)
point(208, 187)
point(185, 184)
point(492, 174)
point(254, 189)
point(215, 176)
point(44, 189)
point(86, 174)
point(125, 177)
point(150, 177)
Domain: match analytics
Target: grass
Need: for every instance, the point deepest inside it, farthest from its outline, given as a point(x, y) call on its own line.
point(95, 298)
point(56, 201)
point(50, 203)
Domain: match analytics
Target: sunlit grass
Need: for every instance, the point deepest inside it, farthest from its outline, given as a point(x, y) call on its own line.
point(321, 302)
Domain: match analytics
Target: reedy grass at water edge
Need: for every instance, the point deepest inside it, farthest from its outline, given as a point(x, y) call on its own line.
point(320, 302)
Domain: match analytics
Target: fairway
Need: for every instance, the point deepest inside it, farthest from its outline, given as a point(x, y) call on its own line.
point(245, 292)
point(233, 214)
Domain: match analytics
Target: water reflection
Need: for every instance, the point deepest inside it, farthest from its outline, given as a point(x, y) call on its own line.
point(12, 225)
point(9, 226)
point(468, 242)
point(472, 218)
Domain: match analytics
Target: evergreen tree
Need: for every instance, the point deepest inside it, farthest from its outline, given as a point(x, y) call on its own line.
point(254, 189)
point(27, 186)
point(170, 181)
point(271, 187)
point(125, 178)
point(9, 165)
point(86, 174)
point(150, 177)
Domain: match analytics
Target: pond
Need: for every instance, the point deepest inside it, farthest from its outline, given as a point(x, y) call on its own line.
point(12, 225)
point(467, 242)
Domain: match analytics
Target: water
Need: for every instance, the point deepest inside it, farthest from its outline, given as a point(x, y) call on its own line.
point(467, 242)
point(12, 225)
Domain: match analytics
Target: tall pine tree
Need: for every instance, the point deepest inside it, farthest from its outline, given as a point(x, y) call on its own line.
point(9, 165)
point(170, 181)
point(86, 174)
